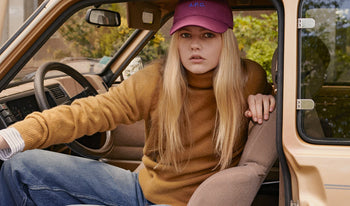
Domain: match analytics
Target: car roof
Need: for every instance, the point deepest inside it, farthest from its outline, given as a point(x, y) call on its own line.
point(169, 5)
point(165, 8)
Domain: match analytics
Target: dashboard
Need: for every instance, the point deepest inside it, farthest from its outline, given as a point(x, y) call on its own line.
point(17, 102)
point(17, 107)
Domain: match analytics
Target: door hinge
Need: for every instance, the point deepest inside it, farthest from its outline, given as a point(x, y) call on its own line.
point(306, 23)
point(305, 104)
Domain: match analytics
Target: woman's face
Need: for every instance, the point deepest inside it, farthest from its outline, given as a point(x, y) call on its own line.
point(199, 49)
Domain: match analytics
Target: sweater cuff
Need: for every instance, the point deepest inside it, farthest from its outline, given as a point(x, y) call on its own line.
point(14, 140)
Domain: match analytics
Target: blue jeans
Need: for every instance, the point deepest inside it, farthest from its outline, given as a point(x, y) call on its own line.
point(39, 177)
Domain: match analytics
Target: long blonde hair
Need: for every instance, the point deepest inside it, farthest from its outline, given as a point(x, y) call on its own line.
point(228, 85)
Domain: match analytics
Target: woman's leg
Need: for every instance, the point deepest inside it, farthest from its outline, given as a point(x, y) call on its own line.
point(39, 177)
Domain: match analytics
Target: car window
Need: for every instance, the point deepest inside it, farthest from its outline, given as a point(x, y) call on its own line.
point(324, 71)
point(78, 44)
point(87, 47)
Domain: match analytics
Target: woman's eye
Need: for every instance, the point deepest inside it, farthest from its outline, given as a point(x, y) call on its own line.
point(208, 35)
point(185, 35)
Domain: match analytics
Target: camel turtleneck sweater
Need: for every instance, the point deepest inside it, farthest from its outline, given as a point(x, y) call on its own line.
point(135, 99)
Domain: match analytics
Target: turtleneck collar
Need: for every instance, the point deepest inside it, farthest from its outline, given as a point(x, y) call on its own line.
point(200, 81)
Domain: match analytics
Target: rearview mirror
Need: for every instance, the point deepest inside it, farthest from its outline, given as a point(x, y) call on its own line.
point(103, 17)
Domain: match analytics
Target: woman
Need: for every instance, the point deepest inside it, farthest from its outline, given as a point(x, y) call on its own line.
point(193, 106)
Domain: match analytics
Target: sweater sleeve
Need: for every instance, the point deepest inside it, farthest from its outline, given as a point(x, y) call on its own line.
point(14, 140)
point(256, 81)
point(125, 103)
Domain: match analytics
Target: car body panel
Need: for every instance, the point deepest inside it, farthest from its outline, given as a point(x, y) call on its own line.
point(319, 173)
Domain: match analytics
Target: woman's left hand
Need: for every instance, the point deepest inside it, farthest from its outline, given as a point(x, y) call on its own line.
point(260, 107)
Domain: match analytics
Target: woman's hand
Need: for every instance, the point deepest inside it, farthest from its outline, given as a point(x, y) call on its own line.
point(260, 107)
point(3, 143)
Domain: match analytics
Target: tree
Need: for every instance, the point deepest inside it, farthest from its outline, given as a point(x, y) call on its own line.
point(95, 42)
point(257, 38)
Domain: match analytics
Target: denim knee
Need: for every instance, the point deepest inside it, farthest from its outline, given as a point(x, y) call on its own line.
point(20, 159)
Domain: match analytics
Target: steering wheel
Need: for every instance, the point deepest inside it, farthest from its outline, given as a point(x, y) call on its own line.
point(88, 90)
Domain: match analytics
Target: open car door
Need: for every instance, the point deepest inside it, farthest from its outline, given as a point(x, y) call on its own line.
point(316, 101)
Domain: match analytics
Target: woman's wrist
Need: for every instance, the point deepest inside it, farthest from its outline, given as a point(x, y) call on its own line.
point(3, 143)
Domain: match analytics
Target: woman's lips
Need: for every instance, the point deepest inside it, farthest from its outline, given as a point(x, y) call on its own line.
point(196, 59)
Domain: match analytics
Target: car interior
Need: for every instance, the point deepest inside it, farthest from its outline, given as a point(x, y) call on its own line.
point(85, 52)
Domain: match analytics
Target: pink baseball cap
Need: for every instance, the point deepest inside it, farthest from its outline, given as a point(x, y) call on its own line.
point(212, 15)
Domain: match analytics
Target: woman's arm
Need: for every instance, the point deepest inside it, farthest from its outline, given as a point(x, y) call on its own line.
point(258, 93)
point(124, 104)
point(260, 107)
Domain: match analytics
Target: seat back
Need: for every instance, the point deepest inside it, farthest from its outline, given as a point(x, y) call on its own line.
point(239, 185)
point(128, 145)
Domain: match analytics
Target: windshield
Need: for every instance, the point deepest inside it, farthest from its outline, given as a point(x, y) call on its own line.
point(83, 46)
point(88, 47)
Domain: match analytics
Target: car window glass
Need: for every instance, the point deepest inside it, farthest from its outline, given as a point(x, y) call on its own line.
point(88, 48)
point(83, 46)
point(324, 70)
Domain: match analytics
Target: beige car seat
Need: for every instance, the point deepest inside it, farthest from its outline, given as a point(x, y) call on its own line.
point(239, 185)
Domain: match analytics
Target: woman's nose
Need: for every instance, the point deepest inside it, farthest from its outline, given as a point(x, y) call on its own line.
point(195, 44)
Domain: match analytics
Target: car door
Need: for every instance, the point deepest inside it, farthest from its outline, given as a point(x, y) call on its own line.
point(315, 126)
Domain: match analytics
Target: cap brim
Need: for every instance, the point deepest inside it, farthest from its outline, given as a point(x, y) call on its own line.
point(205, 22)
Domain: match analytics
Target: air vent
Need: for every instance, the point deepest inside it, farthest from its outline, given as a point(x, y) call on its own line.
point(57, 91)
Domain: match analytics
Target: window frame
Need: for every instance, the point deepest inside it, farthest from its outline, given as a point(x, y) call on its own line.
point(299, 118)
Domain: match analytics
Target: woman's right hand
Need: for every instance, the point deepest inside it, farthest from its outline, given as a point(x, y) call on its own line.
point(3, 143)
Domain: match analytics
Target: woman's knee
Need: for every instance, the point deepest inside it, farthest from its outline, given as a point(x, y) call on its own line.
point(27, 160)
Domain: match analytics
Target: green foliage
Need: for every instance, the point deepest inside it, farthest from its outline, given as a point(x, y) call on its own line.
point(257, 38)
point(154, 49)
point(95, 42)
